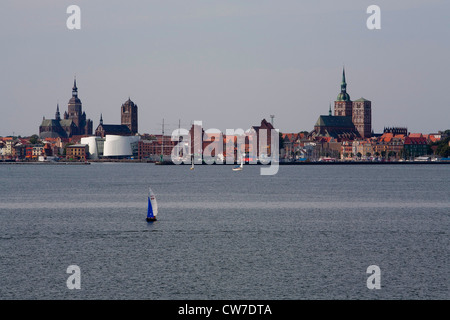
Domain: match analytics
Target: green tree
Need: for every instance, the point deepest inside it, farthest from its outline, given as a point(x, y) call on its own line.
point(444, 151)
point(34, 139)
point(443, 148)
point(280, 140)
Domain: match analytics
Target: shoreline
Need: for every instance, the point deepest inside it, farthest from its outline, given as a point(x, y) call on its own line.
point(232, 164)
point(43, 163)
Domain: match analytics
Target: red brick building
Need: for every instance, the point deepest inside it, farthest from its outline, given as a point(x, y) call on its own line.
point(77, 152)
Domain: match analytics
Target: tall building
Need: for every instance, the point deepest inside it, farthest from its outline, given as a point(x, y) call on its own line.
point(76, 114)
point(351, 119)
point(362, 117)
point(360, 110)
point(74, 122)
point(343, 105)
point(129, 116)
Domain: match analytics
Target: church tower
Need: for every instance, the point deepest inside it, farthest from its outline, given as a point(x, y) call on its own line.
point(74, 107)
point(343, 104)
point(362, 117)
point(57, 114)
point(76, 114)
point(129, 116)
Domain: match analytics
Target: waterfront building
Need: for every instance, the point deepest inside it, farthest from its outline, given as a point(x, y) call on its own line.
point(388, 145)
point(292, 146)
point(95, 146)
point(328, 147)
point(37, 151)
point(119, 147)
point(267, 126)
point(415, 146)
point(151, 147)
point(111, 146)
point(347, 150)
point(363, 148)
point(19, 150)
point(77, 152)
point(433, 137)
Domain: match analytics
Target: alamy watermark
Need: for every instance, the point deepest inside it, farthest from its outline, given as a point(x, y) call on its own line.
point(74, 280)
point(374, 21)
point(74, 20)
point(212, 147)
point(374, 280)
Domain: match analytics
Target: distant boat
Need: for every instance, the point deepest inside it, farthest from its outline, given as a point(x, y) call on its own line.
point(239, 168)
point(192, 162)
point(152, 210)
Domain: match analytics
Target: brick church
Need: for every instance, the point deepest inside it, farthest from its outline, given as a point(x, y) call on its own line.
point(74, 120)
point(351, 120)
point(129, 122)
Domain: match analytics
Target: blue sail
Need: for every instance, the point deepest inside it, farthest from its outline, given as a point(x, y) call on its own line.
point(150, 209)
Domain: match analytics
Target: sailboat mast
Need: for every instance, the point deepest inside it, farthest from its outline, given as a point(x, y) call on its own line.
point(162, 141)
point(178, 144)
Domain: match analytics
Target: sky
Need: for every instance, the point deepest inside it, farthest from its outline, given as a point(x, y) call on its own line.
point(227, 63)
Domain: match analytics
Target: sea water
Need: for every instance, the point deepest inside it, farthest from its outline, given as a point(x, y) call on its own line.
point(308, 232)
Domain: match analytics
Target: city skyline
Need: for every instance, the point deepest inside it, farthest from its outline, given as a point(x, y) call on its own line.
point(226, 64)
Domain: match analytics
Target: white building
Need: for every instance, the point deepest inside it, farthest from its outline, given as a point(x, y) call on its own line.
point(111, 146)
point(120, 146)
point(95, 145)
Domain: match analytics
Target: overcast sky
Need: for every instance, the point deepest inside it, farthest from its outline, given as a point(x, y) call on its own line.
point(228, 63)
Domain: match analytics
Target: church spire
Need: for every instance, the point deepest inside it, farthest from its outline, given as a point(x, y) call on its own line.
point(57, 114)
point(101, 119)
point(343, 76)
point(329, 110)
point(343, 83)
point(74, 89)
point(343, 95)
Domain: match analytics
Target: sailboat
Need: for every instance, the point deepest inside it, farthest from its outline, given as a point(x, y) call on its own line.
point(239, 168)
point(152, 210)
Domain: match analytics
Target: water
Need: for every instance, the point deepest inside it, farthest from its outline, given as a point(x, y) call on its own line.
point(309, 232)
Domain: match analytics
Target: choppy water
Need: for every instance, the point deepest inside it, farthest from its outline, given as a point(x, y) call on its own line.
point(309, 232)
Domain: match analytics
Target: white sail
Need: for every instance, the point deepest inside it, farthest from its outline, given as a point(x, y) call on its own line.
point(153, 201)
point(239, 168)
